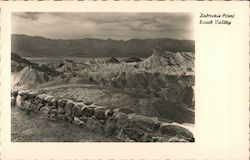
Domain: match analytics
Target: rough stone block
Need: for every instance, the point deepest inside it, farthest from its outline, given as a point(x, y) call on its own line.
point(60, 116)
point(176, 139)
point(20, 92)
point(88, 103)
point(52, 107)
point(110, 127)
point(102, 121)
point(157, 126)
point(19, 101)
point(88, 111)
point(62, 102)
point(48, 100)
point(40, 98)
point(14, 93)
point(39, 106)
point(23, 92)
point(33, 94)
point(68, 118)
point(45, 110)
point(68, 108)
point(24, 95)
point(122, 119)
point(173, 130)
point(124, 110)
point(108, 113)
point(53, 112)
point(33, 106)
point(22, 104)
point(78, 122)
point(77, 110)
point(148, 137)
point(142, 122)
point(26, 105)
point(55, 102)
point(61, 110)
point(99, 112)
point(84, 119)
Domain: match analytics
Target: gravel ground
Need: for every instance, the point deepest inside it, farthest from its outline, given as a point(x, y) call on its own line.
point(34, 127)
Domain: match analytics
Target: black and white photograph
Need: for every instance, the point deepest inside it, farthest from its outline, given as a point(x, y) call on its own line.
point(102, 77)
point(125, 80)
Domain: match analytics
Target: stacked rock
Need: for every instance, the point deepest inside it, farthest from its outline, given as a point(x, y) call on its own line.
point(121, 123)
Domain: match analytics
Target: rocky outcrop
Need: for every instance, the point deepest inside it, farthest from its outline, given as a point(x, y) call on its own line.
point(174, 88)
point(132, 59)
point(29, 77)
point(120, 123)
point(67, 65)
point(18, 63)
point(161, 58)
point(26, 74)
point(112, 60)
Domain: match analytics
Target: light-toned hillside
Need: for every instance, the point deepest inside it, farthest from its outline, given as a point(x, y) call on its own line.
point(28, 78)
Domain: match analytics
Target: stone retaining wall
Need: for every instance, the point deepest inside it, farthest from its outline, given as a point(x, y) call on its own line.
point(121, 123)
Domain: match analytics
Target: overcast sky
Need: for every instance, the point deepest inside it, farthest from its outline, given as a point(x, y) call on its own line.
point(104, 25)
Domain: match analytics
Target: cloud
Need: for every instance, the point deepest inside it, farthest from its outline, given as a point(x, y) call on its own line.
point(33, 16)
point(67, 25)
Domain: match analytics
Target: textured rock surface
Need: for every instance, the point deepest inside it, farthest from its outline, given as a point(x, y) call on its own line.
point(77, 110)
point(14, 94)
point(176, 139)
point(61, 110)
point(26, 105)
point(62, 102)
point(124, 110)
point(33, 94)
point(53, 112)
point(173, 130)
point(121, 123)
point(60, 116)
point(143, 123)
point(55, 102)
point(48, 100)
point(18, 101)
point(88, 111)
point(40, 98)
point(99, 112)
point(108, 113)
point(122, 119)
point(131, 133)
point(45, 110)
point(110, 126)
point(68, 108)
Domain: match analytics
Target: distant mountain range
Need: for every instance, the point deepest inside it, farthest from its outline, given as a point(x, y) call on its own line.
point(34, 46)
